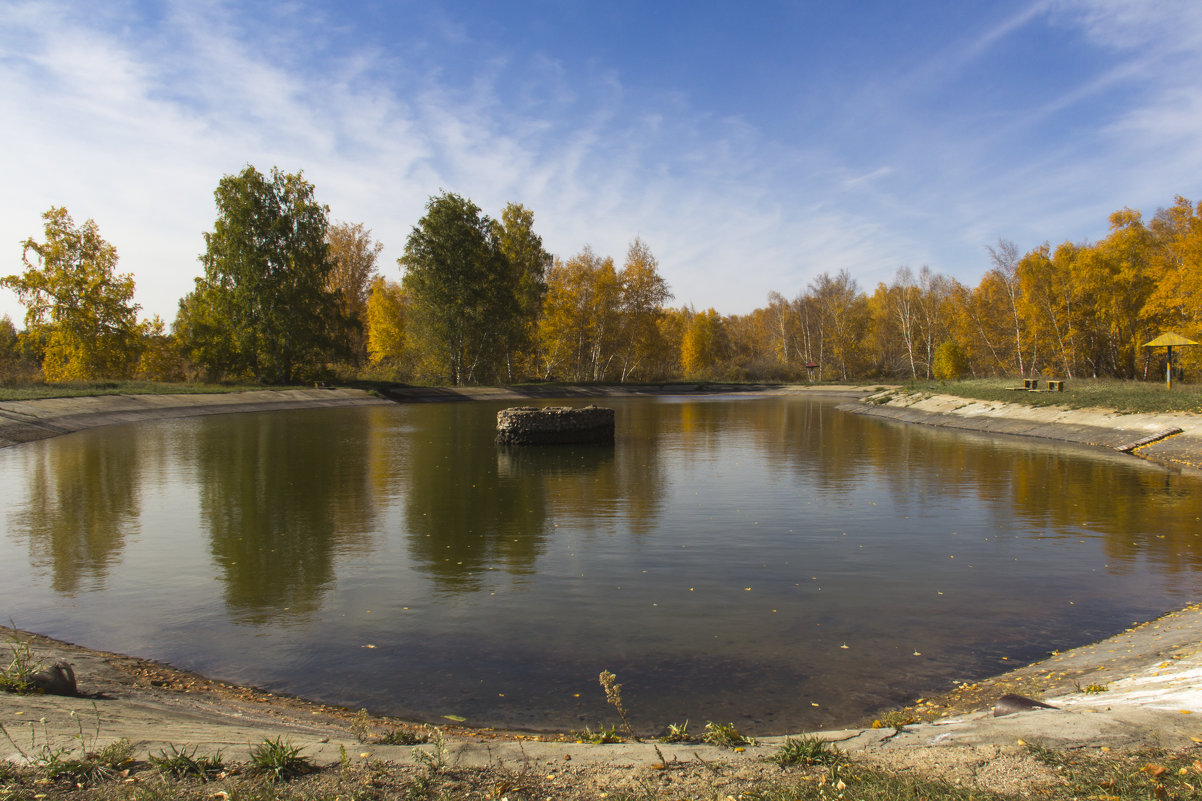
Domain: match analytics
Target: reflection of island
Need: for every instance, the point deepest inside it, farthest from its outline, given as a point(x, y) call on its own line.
point(473, 506)
point(281, 498)
point(83, 500)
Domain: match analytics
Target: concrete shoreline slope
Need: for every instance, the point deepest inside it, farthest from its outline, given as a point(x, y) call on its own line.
point(32, 420)
point(1172, 439)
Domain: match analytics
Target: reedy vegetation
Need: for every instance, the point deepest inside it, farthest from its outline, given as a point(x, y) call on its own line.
point(286, 296)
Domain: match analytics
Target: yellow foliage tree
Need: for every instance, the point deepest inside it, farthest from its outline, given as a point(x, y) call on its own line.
point(385, 313)
point(76, 302)
point(703, 345)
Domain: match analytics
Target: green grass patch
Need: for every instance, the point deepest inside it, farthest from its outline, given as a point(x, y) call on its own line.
point(603, 735)
point(806, 751)
point(181, 762)
point(1079, 393)
point(59, 765)
point(726, 736)
point(279, 759)
point(20, 667)
point(18, 392)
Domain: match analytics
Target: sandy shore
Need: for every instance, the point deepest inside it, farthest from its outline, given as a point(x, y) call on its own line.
point(1145, 685)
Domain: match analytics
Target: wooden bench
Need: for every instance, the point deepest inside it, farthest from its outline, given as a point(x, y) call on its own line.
point(1056, 386)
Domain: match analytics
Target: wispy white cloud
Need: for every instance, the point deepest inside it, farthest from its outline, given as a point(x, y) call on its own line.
point(132, 122)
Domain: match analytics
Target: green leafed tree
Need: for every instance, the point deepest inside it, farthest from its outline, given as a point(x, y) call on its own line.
point(76, 304)
point(462, 292)
point(264, 307)
point(528, 262)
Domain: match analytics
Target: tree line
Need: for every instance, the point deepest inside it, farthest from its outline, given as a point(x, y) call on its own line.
point(286, 295)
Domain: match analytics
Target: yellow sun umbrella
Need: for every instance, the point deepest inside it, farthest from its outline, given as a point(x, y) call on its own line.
point(1169, 341)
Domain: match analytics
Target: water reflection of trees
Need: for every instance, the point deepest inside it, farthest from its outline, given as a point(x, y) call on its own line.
point(1141, 512)
point(472, 506)
point(81, 504)
point(281, 499)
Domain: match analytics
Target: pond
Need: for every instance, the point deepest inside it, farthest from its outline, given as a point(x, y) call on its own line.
point(771, 562)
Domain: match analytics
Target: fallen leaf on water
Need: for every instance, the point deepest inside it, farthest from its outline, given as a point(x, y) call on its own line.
point(369, 645)
point(455, 718)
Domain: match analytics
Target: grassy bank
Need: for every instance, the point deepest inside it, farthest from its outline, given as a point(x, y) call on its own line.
point(20, 392)
point(281, 773)
point(1122, 396)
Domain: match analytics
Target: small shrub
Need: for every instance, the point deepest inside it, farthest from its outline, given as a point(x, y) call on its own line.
point(806, 751)
point(279, 759)
point(22, 665)
point(894, 719)
point(678, 733)
point(58, 764)
point(404, 737)
point(433, 761)
point(613, 694)
point(725, 736)
point(1094, 689)
point(184, 762)
point(606, 734)
point(950, 361)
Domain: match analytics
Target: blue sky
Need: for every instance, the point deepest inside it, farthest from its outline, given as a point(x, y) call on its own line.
point(753, 145)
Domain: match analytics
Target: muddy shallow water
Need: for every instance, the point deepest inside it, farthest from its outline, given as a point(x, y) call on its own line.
point(768, 561)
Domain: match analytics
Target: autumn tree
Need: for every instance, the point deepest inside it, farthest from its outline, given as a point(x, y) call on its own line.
point(704, 345)
point(643, 293)
point(580, 322)
point(1115, 280)
point(15, 364)
point(1175, 300)
point(353, 253)
point(1004, 277)
point(386, 317)
point(462, 290)
point(787, 331)
point(844, 319)
point(1049, 303)
point(264, 307)
point(527, 262)
point(76, 303)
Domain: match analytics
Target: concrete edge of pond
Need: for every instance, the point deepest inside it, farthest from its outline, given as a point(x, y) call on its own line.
point(32, 420)
point(1137, 689)
point(1176, 437)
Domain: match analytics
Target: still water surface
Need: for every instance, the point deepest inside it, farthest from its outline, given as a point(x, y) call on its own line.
point(771, 562)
